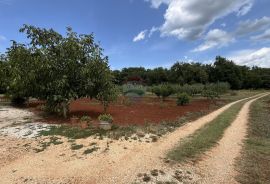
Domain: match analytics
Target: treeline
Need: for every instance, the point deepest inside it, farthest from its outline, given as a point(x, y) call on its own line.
point(222, 70)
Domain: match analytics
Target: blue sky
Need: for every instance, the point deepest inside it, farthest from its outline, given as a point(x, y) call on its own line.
point(182, 30)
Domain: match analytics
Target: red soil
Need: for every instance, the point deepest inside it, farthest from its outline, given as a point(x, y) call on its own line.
point(144, 110)
point(140, 112)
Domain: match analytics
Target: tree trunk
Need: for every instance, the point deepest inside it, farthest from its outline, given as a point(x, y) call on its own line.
point(105, 107)
point(65, 109)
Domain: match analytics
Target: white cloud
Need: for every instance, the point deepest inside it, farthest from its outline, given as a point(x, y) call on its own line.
point(157, 3)
point(250, 26)
point(188, 19)
point(215, 38)
point(2, 38)
point(152, 31)
point(260, 57)
point(262, 37)
point(140, 36)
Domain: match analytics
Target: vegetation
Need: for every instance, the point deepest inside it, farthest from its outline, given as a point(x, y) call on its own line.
point(57, 69)
point(86, 118)
point(90, 150)
point(163, 91)
point(76, 146)
point(105, 117)
point(183, 99)
point(206, 137)
point(222, 70)
point(255, 160)
point(128, 89)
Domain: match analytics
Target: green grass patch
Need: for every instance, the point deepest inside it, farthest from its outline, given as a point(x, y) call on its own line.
point(90, 150)
point(76, 146)
point(44, 145)
point(254, 164)
point(206, 137)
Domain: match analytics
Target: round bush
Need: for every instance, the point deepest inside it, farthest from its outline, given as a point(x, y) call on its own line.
point(183, 99)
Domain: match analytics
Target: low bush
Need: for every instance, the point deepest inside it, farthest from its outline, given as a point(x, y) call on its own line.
point(140, 90)
point(210, 94)
point(183, 99)
point(86, 118)
point(219, 87)
point(163, 90)
point(105, 117)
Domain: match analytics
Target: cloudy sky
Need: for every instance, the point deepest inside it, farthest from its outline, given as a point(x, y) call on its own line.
point(152, 33)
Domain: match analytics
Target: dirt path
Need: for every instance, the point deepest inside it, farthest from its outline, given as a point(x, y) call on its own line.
point(218, 166)
point(120, 164)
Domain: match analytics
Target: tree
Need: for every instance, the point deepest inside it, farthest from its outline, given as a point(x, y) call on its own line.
point(3, 74)
point(163, 90)
point(58, 68)
point(22, 71)
point(227, 71)
point(188, 73)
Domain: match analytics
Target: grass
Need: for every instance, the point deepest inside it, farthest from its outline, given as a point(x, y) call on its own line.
point(254, 164)
point(90, 150)
point(44, 145)
point(76, 146)
point(206, 137)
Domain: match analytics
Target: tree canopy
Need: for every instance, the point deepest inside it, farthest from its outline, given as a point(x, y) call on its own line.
point(57, 68)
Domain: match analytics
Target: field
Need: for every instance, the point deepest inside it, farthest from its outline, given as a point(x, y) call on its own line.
point(139, 150)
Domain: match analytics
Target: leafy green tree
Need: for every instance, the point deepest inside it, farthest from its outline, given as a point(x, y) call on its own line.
point(163, 91)
point(227, 71)
point(4, 79)
point(22, 72)
point(58, 68)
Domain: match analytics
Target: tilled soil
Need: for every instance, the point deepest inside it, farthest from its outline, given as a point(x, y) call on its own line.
point(141, 111)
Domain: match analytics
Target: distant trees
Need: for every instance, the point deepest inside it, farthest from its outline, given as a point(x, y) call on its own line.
point(222, 70)
point(58, 68)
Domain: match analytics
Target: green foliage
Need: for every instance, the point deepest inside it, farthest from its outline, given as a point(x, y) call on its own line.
point(210, 94)
point(4, 74)
point(76, 146)
point(59, 69)
point(223, 70)
point(192, 90)
point(107, 95)
point(219, 87)
point(86, 118)
point(105, 117)
point(183, 99)
point(135, 89)
point(163, 90)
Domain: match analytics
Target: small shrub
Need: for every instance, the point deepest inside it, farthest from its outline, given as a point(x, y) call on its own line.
point(86, 118)
point(105, 117)
point(139, 92)
point(134, 89)
point(183, 99)
point(209, 94)
point(163, 90)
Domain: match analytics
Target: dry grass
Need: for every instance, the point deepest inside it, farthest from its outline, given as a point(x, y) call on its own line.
point(254, 165)
point(206, 137)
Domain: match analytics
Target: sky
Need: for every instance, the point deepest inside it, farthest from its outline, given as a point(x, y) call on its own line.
point(152, 33)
